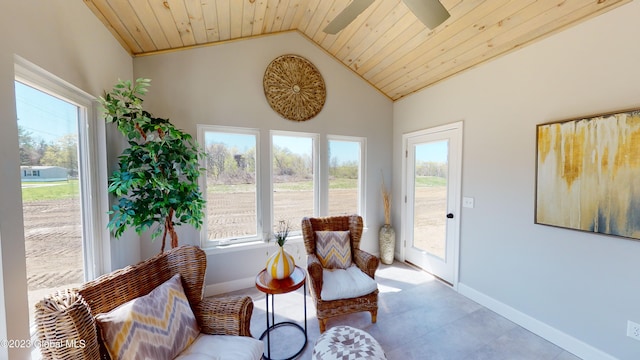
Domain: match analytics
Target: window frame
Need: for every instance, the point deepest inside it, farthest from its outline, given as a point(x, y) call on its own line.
point(265, 215)
point(362, 166)
point(92, 158)
point(315, 158)
point(205, 242)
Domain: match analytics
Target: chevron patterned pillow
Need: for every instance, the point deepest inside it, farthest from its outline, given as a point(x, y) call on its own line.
point(333, 249)
point(158, 325)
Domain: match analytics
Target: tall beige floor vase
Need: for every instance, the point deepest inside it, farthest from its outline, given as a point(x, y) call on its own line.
point(387, 238)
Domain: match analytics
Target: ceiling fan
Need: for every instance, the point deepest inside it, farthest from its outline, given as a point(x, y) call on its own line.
point(430, 12)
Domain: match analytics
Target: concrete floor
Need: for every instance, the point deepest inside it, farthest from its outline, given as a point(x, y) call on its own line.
point(418, 318)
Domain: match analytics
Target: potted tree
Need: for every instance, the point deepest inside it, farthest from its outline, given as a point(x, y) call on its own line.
point(157, 178)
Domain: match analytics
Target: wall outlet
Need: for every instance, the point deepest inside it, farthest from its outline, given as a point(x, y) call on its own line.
point(633, 330)
point(467, 202)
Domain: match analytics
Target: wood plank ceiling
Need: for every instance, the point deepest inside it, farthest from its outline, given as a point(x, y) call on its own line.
point(386, 45)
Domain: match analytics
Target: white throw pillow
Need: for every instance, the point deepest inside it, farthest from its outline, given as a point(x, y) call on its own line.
point(346, 284)
point(223, 347)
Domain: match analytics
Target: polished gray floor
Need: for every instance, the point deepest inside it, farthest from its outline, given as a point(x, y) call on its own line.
point(418, 318)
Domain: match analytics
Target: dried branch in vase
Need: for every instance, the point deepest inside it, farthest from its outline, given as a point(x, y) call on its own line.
point(386, 201)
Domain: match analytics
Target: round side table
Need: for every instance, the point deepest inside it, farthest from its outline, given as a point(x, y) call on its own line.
point(270, 286)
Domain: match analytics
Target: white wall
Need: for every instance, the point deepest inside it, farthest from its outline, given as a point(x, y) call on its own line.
point(66, 39)
point(578, 288)
point(222, 85)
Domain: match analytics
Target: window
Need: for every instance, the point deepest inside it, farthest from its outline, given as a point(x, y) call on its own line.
point(231, 184)
point(293, 177)
point(291, 189)
point(65, 161)
point(345, 175)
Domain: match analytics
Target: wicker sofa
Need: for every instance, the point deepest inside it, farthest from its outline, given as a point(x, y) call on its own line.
point(70, 315)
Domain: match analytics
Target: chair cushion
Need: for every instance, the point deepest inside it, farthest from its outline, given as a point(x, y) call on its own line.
point(346, 284)
point(223, 347)
point(158, 325)
point(333, 249)
point(347, 343)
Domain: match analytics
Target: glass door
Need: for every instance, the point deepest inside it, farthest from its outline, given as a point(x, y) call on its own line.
point(430, 197)
point(432, 185)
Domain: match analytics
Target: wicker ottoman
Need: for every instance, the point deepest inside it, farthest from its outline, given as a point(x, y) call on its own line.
point(347, 343)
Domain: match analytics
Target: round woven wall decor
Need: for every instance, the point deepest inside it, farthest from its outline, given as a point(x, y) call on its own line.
point(294, 87)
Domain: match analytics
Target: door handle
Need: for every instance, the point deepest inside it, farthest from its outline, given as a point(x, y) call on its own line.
point(449, 216)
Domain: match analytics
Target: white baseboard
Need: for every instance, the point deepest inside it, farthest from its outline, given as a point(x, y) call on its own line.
point(229, 286)
point(563, 340)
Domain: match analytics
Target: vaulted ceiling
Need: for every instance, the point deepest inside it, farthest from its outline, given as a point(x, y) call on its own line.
point(386, 45)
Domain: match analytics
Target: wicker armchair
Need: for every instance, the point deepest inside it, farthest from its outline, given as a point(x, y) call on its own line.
point(69, 315)
point(365, 261)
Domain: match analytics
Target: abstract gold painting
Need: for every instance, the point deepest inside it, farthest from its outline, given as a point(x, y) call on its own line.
point(588, 174)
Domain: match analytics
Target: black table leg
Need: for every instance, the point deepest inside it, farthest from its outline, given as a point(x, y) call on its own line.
point(271, 325)
point(268, 327)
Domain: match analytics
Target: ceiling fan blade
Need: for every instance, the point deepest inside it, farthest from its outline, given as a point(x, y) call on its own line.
point(347, 16)
point(430, 12)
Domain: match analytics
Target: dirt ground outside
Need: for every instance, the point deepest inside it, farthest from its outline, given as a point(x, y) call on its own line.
point(53, 246)
point(430, 220)
point(233, 214)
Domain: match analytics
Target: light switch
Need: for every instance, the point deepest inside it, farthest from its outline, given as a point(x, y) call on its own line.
point(467, 202)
